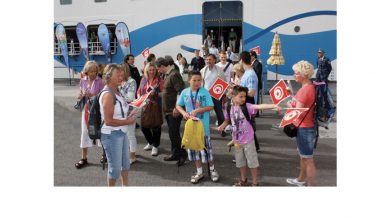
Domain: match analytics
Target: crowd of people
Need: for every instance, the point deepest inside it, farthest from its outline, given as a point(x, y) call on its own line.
point(119, 85)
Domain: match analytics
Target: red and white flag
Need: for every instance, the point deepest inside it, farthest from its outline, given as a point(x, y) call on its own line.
point(218, 88)
point(145, 53)
point(138, 103)
point(279, 92)
point(292, 114)
point(257, 50)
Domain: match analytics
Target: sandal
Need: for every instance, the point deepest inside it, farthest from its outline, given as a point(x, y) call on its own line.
point(255, 184)
point(82, 163)
point(241, 183)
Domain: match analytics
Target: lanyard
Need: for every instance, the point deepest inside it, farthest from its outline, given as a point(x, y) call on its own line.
point(193, 101)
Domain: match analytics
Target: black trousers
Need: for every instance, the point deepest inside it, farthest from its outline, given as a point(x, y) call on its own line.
point(174, 135)
point(152, 135)
point(253, 122)
point(218, 110)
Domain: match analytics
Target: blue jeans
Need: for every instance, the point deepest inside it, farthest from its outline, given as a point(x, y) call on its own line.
point(116, 146)
point(305, 142)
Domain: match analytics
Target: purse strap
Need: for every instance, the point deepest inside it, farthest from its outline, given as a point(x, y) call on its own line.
point(307, 113)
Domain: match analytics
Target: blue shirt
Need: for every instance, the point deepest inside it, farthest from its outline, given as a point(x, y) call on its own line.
point(249, 80)
point(203, 99)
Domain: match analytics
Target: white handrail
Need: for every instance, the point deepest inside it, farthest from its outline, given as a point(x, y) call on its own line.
point(94, 48)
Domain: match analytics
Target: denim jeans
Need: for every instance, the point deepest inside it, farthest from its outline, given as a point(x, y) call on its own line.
point(305, 142)
point(116, 146)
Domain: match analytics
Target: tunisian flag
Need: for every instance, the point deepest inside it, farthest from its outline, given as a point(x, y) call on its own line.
point(291, 115)
point(218, 88)
point(279, 92)
point(145, 53)
point(138, 103)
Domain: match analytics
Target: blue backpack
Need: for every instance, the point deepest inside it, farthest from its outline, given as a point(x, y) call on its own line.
point(325, 108)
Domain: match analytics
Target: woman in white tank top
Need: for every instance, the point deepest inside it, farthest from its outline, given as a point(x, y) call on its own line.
point(116, 120)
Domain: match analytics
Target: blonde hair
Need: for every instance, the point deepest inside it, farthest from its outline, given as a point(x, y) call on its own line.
point(126, 69)
point(304, 68)
point(108, 71)
point(146, 70)
point(238, 67)
point(89, 66)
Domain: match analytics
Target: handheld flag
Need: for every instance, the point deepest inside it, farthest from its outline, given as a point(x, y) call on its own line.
point(291, 115)
point(141, 101)
point(145, 53)
point(279, 92)
point(218, 88)
point(257, 50)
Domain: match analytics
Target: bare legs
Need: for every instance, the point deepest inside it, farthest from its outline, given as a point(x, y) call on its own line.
point(307, 170)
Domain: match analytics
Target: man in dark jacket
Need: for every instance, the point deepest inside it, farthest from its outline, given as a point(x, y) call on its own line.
point(173, 85)
point(258, 68)
point(324, 67)
point(197, 62)
point(129, 59)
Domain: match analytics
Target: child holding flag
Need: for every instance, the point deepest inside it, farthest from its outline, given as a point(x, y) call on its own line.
point(239, 118)
point(198, 104)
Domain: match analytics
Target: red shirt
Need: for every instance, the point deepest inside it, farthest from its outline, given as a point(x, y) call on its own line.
point(306, 96)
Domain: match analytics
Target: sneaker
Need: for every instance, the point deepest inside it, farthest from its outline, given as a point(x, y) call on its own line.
point(154, 151)
point(295, 182)
point(196, 178)
point(214, 175)
point(148, 147)
point(228, 128)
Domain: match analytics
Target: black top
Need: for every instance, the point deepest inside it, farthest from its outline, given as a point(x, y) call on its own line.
point(198, 64)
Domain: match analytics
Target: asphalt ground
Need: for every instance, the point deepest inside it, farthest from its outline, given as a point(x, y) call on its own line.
point(278, 156)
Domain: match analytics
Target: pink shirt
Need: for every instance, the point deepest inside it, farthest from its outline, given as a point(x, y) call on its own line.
point(306, 96)
point(245, 130)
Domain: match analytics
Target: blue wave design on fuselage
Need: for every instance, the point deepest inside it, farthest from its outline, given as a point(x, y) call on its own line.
point(294, 47)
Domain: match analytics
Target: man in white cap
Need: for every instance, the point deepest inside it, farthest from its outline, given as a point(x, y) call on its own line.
point(324, 67)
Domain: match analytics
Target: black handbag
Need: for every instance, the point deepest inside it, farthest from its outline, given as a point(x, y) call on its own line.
point(291, 130)
point(79, 104)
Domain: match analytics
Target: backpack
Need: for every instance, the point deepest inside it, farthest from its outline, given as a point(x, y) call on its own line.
point(244, 110)
point(193, 137)
point(95, 122)
point(324, 109)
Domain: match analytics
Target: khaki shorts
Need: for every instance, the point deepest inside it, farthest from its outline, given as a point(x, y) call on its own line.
point(247, 156)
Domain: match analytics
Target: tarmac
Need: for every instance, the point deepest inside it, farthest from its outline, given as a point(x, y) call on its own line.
point(278, 155)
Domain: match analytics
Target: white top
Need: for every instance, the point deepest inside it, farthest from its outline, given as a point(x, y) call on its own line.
point(228, 70)
point(210, 77)
point(214, 51)
point(117, 114)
